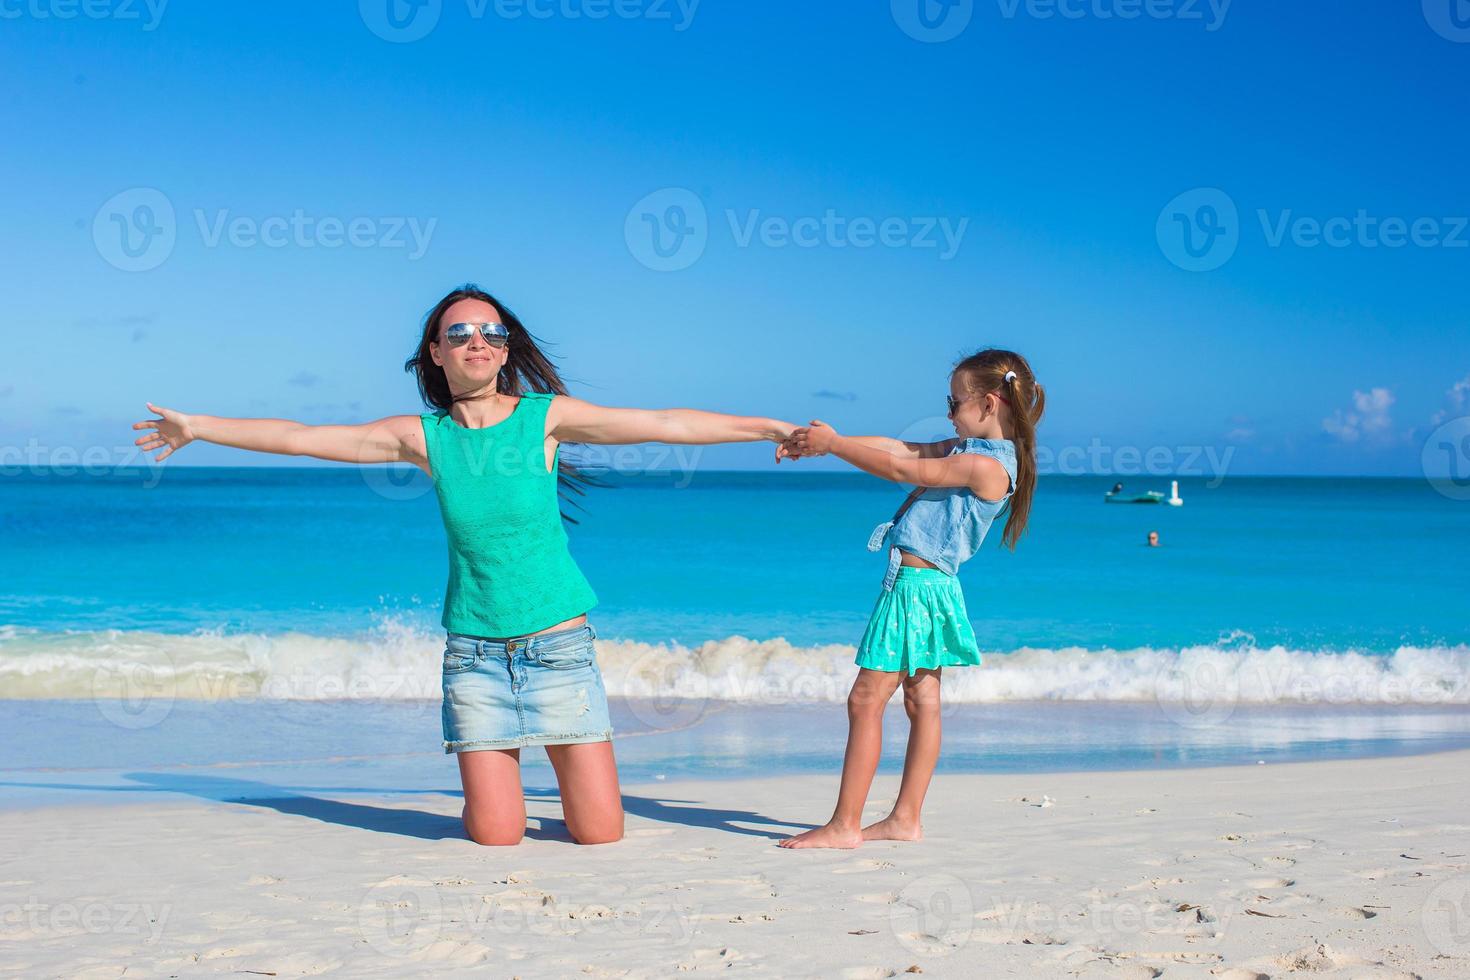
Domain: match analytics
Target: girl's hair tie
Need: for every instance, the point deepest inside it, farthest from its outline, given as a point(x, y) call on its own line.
point(1010, 376)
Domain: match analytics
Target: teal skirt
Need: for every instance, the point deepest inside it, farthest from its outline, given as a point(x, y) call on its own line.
point(920, 625)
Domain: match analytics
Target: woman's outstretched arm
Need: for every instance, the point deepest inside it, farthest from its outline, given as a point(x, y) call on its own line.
point(396, 439)
point(574, 420)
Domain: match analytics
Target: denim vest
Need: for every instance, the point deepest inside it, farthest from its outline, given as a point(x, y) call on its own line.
point(945, 525)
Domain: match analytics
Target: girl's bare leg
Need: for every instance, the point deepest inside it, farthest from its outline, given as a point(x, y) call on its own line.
point(494, 803)
point(921, 701)
point(865, 704)
point(587, 775)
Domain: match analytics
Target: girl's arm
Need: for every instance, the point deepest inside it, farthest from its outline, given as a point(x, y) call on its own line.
point(982, 474)
point(907, 450)
point(398, 438)
point(574, 420)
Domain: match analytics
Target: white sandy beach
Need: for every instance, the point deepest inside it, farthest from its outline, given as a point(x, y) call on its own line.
point(1325, 869)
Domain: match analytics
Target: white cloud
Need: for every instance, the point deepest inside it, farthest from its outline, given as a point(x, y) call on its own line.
point(1369, 416)
point(1457, 396)
point(1242, 429)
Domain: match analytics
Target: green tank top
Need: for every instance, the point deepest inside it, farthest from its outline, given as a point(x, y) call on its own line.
point(510, 570)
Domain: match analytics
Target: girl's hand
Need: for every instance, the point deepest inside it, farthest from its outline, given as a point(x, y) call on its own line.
point(788, 448)
point(815, 439)
point(173, 431)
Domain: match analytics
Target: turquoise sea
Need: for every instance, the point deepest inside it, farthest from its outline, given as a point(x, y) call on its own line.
point(163, 620)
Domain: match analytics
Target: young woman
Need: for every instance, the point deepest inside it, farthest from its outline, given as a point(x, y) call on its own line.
point(919, 624)
point(519, 667)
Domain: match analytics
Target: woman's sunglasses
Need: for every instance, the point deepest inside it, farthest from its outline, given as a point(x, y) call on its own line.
point(459, 334)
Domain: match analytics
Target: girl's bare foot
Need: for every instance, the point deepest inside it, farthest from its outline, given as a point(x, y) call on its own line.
point(894, 828)
point(830, 835)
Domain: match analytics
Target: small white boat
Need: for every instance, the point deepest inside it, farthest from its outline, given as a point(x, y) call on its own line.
point(1116, 496)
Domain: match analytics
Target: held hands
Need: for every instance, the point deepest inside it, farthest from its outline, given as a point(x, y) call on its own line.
point(812, 440)
point(173, 431)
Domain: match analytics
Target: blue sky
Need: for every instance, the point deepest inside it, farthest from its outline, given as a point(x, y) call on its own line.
point(1026, 175)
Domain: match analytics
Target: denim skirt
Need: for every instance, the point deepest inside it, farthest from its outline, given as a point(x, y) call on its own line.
point(534, 690)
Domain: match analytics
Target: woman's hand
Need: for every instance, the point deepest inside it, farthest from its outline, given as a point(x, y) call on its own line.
point(173, 431)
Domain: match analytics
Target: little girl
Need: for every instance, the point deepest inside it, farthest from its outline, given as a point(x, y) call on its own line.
point(919, 625)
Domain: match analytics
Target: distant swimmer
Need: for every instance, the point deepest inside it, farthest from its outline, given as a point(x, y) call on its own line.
point(1153, 539)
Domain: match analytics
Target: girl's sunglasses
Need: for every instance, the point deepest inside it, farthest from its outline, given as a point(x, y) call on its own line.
point(954, 403)
point(459, 334)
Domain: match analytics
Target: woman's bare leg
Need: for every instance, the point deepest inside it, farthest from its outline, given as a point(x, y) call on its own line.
point(494, 802)
point(865, 704)
point(921, 701)
point(592, 802)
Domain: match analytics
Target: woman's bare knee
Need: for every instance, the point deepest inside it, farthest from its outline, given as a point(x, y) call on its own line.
point(604, 834)
point(496, 836)
point(493, 832)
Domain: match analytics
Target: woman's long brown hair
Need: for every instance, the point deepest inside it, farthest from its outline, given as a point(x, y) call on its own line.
point(527, 368)
point(984, 372)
